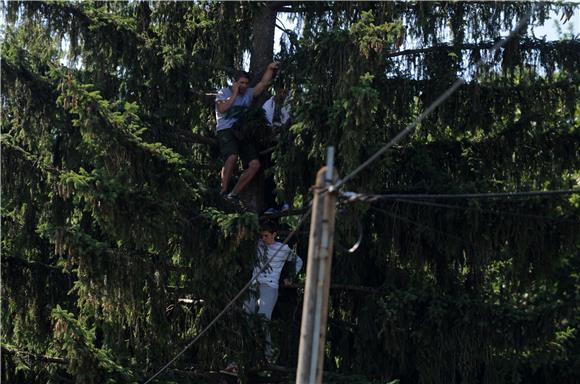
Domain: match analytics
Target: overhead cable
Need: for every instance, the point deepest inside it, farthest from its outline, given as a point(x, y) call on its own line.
point(353, 196)
point(419, 225)
point(482, 210)
point(458, 83)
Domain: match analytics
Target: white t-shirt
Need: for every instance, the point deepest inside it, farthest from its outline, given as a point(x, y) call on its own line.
point(269, 107)
point(271, 275)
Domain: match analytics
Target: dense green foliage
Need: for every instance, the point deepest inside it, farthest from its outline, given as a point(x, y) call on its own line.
point(110, 211)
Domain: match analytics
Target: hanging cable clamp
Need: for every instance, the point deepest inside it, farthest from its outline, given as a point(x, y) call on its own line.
point(350, 196)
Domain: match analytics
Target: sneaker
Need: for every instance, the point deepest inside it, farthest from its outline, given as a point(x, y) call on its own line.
point(271, 211)
point(285, 207)
point(231, 369)
point(224, 194)
point(234, 200)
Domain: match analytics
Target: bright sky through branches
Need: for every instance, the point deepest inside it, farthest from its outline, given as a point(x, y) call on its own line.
point(553, 29)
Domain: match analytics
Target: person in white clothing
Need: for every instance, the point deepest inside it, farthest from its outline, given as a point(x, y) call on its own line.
point(277, 110)
point(265, 289)
point(267, 281)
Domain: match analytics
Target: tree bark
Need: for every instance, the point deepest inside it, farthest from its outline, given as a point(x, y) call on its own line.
point(263, 28)
point(263, 39)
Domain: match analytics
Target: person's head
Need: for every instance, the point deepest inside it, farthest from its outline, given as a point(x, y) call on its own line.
point(243, 80)
point(268, 234)
point(281, 93)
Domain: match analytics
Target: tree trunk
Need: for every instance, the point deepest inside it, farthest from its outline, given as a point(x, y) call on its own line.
point(262, 55)
point(263, 39)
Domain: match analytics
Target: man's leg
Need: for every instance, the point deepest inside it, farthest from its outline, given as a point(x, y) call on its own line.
point(227, 171)
point(250, 306)
point(247, 176)
point(266, 303)
point(229, 152)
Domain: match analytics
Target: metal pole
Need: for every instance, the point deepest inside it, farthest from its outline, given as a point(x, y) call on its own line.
point(315, 308)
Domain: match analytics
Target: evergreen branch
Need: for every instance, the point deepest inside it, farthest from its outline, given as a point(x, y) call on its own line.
point(526, 44)
point(524, 86)
point(40, 358)
point(132, 133)
point(16, 70)
point(31, 264)
point(36, 162)
point(91, 18)
point(129, 126)
point(195, 138)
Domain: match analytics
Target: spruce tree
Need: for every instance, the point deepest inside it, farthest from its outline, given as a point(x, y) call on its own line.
point(111, 216)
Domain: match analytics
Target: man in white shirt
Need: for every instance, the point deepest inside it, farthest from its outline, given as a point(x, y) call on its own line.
point(268, 279)
point(265, 289)
point(277, 111)
point(277, 108)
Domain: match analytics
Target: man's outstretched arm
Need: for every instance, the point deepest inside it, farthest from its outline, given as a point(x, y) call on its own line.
point(263, 84)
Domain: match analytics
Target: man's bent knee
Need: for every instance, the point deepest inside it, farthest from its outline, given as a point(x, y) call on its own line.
point(231, 159)
point(254, 165)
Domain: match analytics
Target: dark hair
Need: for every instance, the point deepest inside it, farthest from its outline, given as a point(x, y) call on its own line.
point(240, 74)
point(268, 227)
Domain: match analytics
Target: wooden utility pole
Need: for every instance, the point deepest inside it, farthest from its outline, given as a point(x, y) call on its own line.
point(315, 308)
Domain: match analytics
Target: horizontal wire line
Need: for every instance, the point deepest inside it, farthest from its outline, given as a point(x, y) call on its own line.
point(427, 227)
point(483, 210)
point(434, 196)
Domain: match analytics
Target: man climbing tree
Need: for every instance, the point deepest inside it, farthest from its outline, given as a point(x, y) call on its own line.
point(232, 145)
point(271, 257)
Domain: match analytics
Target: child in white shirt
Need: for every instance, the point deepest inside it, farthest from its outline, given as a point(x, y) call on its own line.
point(267, 281)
